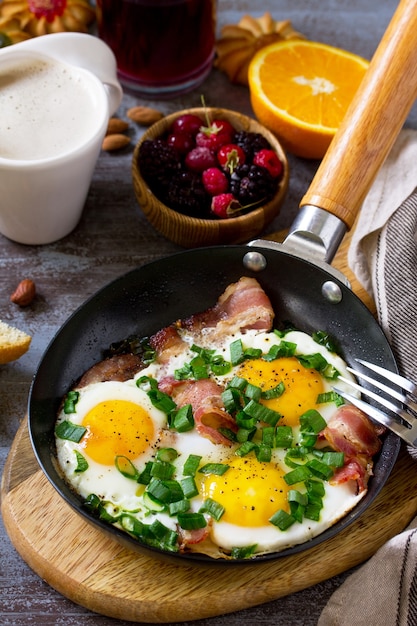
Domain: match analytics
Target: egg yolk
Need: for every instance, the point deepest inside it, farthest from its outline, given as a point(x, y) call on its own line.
point(250, 491)
point(117, 427)
point(302, 386)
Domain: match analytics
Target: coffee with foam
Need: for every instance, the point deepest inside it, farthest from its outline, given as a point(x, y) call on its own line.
point(47, 109)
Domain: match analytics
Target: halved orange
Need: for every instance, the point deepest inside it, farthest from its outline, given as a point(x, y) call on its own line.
point(301, 91)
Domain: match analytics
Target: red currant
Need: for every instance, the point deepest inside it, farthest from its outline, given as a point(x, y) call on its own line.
point(187, 123)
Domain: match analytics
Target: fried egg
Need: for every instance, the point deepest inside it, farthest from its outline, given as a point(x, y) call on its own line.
point(257, 506)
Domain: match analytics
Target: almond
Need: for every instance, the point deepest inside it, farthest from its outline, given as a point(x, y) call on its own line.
point(116, 125)
point(115, 142)
point(24, 293)
point(145, 116)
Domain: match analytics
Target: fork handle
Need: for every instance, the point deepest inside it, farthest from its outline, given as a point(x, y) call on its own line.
point(372, 122)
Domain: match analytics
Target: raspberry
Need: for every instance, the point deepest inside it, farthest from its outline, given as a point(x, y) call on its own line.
point(200, 159)
point(270, 161)
point(188, 123)
point(230, 156)
point(215, 181)
point(216, 135)
point(225, 205)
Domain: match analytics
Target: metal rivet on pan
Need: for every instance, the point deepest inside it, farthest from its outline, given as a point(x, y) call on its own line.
point(254, 261)
point(332, 292)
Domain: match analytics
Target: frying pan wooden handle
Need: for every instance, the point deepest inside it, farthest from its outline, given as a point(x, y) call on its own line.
point(372, 122)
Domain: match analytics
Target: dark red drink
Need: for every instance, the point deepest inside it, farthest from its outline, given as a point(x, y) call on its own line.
point(162, 47)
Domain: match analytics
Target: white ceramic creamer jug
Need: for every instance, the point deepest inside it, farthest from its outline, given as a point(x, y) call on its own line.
point(57, 93)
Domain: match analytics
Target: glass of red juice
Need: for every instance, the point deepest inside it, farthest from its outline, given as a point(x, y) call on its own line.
point(162, 47)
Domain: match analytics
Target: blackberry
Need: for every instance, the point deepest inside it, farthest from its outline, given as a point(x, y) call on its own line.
point(251, 143)
point(251, 184)
point(158, 163)
point(186, 194)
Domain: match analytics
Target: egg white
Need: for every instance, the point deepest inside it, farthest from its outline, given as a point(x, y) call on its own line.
point(110, 485)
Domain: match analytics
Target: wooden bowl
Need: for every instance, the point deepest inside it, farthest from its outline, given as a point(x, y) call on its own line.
point(191, 232)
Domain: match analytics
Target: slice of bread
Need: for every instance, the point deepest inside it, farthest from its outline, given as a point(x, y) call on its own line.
point(13, 343)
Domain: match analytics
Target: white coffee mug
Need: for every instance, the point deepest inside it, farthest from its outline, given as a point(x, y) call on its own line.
point(57, 93)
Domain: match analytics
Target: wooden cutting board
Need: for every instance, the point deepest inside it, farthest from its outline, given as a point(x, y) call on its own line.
point(96, 572)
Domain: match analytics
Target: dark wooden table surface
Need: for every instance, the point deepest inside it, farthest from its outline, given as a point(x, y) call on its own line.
point(114, 237)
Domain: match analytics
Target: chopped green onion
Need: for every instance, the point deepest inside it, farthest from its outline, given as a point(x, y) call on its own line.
point(282, 520)
point(245, 434)
point(183, 419)
point(297, 511)
point(231, 399)
point(228, 433)
point(262, 413)
point(277, 351)
point(147, 381)
point(324, 339)
point(314, 361)
point(152, 503)
point(330, 396)
point(236, 352)
point(283, 437)
point(189, 487)
point(252, 353)
point(319, 469)
point(243, 553)
point(245, 448)
point(219, 366)
point(268, 436)
point(191, 465)
point(312, 511)
point(307, 440)
point(199, 368)
point(161, 401)
point(274, 392)
point(312, 422)
point(238, 382)
point(145, 476)
point(214, 468)
point(162, 470)
point(263, 453)
point(126, 467)
point(166, 491)
point(70, 401)
point(297, 496)
point(330, 372)
point(297, 475)
point(315, 489)
point(181, 506)
point(252, 392)
point(243, 421)
point(82, 464)
point(71, 432)
point(213, 508)
point(191, 521)
point(334, 459)
point(166, 454)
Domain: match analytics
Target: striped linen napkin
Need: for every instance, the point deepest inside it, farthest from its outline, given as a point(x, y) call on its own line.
point(383, 256)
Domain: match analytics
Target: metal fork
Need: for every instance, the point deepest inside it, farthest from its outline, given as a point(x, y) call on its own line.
point(404, 420)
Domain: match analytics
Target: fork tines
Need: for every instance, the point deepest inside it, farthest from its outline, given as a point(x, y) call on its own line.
point(406, 425)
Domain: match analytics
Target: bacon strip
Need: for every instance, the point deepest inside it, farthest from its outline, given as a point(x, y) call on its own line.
point(351, 431)
point(119, 367)
point(242, 306)
point(205, 399)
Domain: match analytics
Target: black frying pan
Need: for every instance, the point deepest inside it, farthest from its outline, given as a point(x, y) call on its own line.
point(302, 287)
